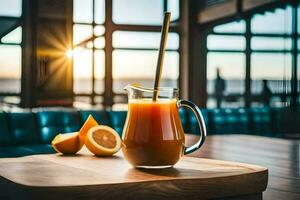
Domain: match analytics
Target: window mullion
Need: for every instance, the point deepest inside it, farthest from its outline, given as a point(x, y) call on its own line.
point(108, 92)
point(248, 36)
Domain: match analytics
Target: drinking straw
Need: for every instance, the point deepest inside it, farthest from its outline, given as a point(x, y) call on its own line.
point(161, 54)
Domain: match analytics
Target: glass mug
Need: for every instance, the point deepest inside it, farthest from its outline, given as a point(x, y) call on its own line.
point(153, 136)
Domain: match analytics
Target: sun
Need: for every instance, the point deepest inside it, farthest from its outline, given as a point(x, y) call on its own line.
point(69, 53)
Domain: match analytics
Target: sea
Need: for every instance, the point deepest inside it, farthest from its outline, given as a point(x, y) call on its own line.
point(85, 85)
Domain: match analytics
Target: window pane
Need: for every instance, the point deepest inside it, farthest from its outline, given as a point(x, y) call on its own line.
point(131, 39)
point(99, 30)
point(232, 69)
point(82, 62)
point(83, 11)
point(81, 33)
point(82, 102)
point(173, 7)
point(99, 102)
point(274, 67)
point(132, 66)
point(99, 42)
point(119, 106)
point(11, 8)
point(261, 43)
point(99, 11)
point(232, 27)
point(99, 71)
point(14, 36)
point(279, 21)
point(10, 68)
point(138, 12)
point(226, 42)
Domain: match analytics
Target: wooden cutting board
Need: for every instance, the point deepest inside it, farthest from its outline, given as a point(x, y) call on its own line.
point(55, 176)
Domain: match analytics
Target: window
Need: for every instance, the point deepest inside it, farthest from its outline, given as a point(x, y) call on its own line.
point(270, 61)
point(10, 48)
point(143, 12)
point(226, 55)
point(13, 37)
point(273, 67)
point(232, 70)
point(232, 27)
point(138, 12)
point(10, 68)
point(220, 42)
point(89, 42)
point(271, 58)
point(264, 23)
point(271, 43)
point(11, 8)
point(134, 52)
point(135, 62)
point(83, 70)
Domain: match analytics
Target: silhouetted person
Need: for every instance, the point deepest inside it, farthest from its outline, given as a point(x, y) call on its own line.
point(219, 88)
point(266, 93)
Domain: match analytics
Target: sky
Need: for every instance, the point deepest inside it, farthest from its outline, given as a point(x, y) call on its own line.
point(141, 64)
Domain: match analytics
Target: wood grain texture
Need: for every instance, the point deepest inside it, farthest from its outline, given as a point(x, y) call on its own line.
point(87, 176)
point(280, 156)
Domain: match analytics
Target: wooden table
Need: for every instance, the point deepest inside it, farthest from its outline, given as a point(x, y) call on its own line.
point(280, 156)
point(86, 176)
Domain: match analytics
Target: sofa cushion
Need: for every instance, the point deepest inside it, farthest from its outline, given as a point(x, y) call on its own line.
point(25, 150)
point(5, 138)
point(14, 151)
point(219, 121)
point(242, 123)
point(117, 119)
point(260, 121)
point(52, 123)
point(230, 121)
point(101, 116)
point(24, 128)
point(39, 148)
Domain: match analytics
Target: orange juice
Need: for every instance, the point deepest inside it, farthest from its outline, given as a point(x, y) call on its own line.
point(153, 134)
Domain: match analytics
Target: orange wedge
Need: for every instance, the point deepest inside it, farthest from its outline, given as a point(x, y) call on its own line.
point(103, 141)
point(71, 143)
point(88, 124)
point(67, 143)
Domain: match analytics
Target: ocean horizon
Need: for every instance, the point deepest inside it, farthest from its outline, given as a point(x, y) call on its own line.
point(85, 85)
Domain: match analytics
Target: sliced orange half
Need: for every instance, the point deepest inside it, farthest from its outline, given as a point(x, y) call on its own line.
point(67, 143)
point(71, 143)
point(103, 141)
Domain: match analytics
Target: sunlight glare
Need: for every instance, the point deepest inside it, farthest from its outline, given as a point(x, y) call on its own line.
point(69, 53)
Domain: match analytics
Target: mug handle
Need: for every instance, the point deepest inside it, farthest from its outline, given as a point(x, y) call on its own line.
point(199, 117)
